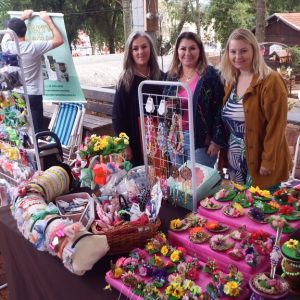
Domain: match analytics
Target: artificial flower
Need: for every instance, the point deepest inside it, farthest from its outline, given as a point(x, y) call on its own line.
point(231, 288)
point(258, 192)
point(277, 222)
point(175, 256)
point(292, 244)
point(164, 250)
point(103, 145)
point(238, 186)
point(274, 204)
point(175, 224)
point(286, 210)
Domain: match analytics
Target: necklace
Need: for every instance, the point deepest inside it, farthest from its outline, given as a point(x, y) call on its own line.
point(147, 76)
point(187, 78)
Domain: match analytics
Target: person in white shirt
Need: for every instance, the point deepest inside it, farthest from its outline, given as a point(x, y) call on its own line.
point(31, 54)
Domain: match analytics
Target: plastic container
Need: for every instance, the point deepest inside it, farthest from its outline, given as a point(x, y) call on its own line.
point(68, 198)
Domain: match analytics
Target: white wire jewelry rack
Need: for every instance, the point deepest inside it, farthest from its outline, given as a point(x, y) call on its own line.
point(13, 37)
point(167, 130)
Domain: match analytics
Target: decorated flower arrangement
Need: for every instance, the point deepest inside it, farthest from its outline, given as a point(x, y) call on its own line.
point(291, 249)
point(223, 284)
point(220, 242)
point(239, 187)
point(260, 194)
point(158, 277)
point(180, 288)
point(234, 210)
point(244, 199)
point(210, 204)
point(225, 194)
point(257, 215)
point(216, 227)
point(272, 286)
point(155, 244)
point(198, 235)
point(261, 241)
point(179, 225)
point(103, 145)
point(286, 227)
point(195, 220)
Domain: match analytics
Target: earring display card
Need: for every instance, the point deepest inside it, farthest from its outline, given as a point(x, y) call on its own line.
point(166, 130)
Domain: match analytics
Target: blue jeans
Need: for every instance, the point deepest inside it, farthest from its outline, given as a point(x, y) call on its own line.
point(201, 155)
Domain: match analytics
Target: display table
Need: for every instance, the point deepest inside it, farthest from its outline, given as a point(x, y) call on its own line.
point(203, 251)
point(33, 275)
point(218, 215)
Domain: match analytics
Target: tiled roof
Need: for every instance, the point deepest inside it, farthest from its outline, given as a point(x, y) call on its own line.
point(291, 19)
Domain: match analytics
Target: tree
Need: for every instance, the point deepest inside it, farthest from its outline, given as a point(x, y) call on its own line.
point(100, 18)
point(229, 15)
point(260, 20)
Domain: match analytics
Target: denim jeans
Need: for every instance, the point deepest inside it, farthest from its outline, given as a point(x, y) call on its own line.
point(201, 155)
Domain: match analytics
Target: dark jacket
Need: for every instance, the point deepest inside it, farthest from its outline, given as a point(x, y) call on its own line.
point(207, 104)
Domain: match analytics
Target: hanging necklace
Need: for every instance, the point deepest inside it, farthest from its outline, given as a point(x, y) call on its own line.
point(147, 76)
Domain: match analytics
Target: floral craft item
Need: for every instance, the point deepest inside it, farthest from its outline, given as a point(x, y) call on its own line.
point(258, 194)
point(225, 194)
point(220, 242)
point(286, 227)
point(198, 235)
point(233, 210)
point(216, 227)
point(239, 187)
point(210, 204)
point(103, 145)
point(267, 285)
point(152, 292)
point(252, 258)
point(257, 215)
point(239, 233)
point(155, 244)
point(179, 225)
point(291, 249)
point(195, 219)
point(227, 284)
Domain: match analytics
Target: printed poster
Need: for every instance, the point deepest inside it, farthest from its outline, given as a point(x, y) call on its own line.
point(60, 78)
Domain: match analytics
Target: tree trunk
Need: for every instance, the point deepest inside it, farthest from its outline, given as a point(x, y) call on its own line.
point(260, 20)
point(127, 18)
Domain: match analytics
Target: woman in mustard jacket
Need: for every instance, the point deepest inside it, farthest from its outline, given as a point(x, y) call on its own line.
point(255, 114)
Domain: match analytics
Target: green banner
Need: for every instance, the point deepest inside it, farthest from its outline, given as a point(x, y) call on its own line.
point(60, 77)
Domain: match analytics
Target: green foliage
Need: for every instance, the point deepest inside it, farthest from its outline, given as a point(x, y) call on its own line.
point(295, 57)
point(229, 15)
point(102, 19)
point(283, 6)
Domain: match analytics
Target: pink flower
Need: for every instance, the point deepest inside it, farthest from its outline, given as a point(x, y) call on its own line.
point(182, 250)
point(120, 262)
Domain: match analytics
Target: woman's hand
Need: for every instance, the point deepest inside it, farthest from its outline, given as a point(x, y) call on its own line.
point(213, 149)
point(264, 171)
point(128, 153)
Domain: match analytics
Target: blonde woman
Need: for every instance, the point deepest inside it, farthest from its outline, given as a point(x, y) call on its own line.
point(255, 114)
point(140, 63)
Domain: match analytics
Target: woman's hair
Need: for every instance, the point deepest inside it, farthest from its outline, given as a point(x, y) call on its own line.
point(127, 75)
point(176, 67)
point(259, 66)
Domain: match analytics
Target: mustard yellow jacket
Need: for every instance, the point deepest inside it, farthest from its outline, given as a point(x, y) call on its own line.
point(265, 108)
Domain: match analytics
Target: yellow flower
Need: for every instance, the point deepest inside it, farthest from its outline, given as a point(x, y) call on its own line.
point(237, 186)
point(118, 272)
point(259, 192)
point(169, 290)
point(175, 256)
point(274, 204)
point(239, 208)
point(157, 260)
point(149, 246)
point(175, 224)
point(164, 250)
point(178, 292)
point(292, 244)
point(126, 142)
point(123, 135)
point(231, 288)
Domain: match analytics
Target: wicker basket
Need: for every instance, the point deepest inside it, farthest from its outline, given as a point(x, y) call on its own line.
point(125, 238)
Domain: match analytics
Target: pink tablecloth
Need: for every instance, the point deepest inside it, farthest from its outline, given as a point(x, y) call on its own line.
point(202, 282)
point(217, 215)
point(203, 251)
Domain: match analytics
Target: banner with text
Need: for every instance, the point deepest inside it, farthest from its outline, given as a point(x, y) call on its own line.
point(60, 77)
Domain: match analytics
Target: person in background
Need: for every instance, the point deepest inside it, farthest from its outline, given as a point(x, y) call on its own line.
point(190, 66)
point(255, 114)
point(140, 63)
point(31, 54)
